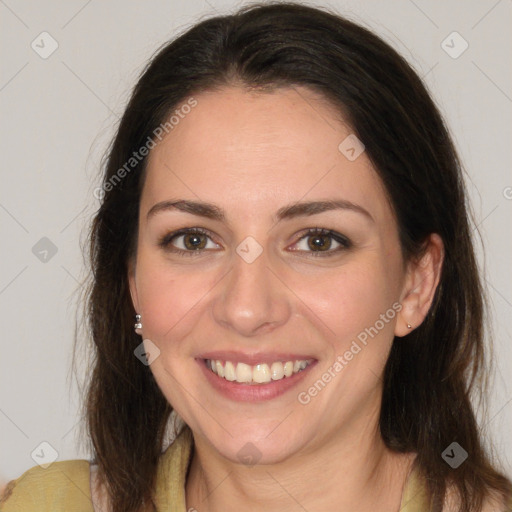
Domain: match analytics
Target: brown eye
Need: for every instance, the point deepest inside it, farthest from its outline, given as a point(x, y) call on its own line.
point(319, 242)
point(193, 241)
point(322, 242)
point(188, 241)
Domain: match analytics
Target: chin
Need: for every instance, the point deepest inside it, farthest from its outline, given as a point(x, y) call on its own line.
point(252, 444)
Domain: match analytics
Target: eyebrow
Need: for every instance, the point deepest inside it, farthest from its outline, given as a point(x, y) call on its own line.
point(211, 211)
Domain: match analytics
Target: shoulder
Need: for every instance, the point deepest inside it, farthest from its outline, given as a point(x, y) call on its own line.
point(63, 486)
point(493, 502)
point(415, 497)
point(496, 503)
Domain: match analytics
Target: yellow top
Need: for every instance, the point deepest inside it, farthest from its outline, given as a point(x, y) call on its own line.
point(65, 486)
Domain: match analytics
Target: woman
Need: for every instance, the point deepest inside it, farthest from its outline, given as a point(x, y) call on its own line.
point(282, 259)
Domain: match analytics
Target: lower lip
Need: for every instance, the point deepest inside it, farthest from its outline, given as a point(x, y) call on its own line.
point(253, 392)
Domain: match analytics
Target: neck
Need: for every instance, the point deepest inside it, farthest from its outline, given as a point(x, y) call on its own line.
point(344, 473)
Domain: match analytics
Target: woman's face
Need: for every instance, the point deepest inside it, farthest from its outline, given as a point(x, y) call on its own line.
point(254, 291)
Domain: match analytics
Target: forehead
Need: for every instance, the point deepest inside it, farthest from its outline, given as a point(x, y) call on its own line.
point(254, 151)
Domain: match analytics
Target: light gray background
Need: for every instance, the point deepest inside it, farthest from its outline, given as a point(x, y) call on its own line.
point(57, 117)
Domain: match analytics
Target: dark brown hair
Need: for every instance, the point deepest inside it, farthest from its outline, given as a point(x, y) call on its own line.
point(432, 374)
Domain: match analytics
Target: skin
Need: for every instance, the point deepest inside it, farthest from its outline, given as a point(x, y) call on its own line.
point(251, 154)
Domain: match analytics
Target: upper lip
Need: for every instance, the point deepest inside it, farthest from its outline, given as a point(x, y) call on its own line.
point(254, 358)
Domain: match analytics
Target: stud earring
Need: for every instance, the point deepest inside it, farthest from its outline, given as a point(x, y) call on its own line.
point(409, 326)
point(138, 324)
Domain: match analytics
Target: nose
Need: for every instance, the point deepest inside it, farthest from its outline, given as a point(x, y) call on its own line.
point(252, 300)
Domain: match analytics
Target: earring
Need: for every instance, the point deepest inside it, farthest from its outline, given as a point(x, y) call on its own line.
point(409, 326)
point(138, 324)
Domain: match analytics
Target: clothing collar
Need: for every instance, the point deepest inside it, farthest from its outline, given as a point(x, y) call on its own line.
point(174, 463)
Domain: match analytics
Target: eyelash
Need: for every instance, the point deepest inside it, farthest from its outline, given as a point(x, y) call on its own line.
point(345, 243)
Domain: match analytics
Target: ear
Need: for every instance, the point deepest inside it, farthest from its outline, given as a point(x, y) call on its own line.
point(132, 284)
point(422, 278)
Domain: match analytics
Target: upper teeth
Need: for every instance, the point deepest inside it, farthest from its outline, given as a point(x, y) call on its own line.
point(259, 373)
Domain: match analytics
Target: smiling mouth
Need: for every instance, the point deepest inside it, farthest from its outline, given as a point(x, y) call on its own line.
point(256, 374)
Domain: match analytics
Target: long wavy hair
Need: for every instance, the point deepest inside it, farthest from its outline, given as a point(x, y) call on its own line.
point(433, 374)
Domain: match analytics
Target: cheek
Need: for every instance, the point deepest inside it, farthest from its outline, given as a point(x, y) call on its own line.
point(352, 300)
point(169, 299)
